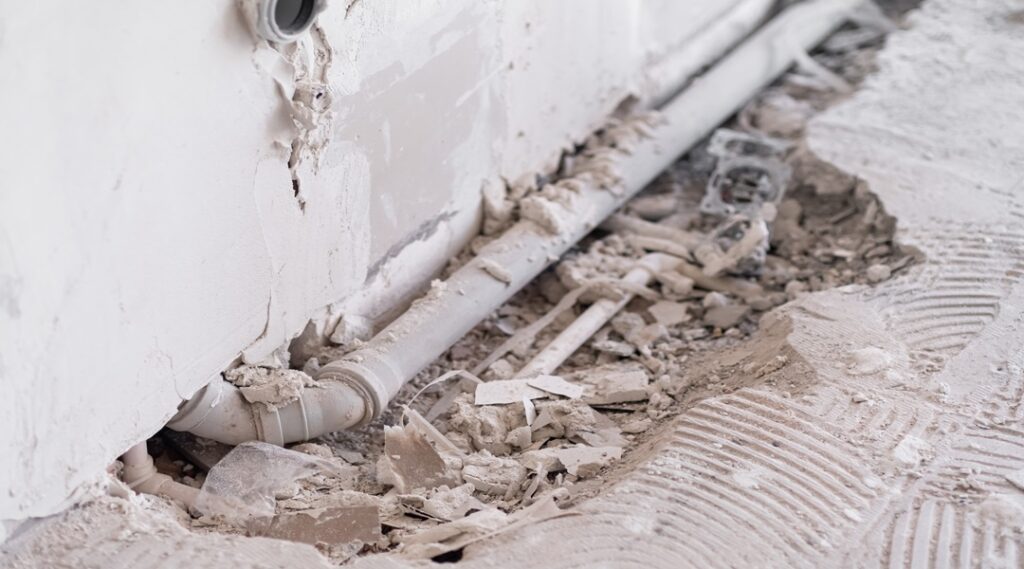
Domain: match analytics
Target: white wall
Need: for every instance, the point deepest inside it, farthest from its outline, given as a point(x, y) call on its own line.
point(149, 231)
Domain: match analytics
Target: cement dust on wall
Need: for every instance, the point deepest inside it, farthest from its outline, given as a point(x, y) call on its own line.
point(158, 153)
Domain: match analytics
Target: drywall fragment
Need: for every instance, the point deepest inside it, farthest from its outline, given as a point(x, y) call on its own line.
point(725, 317)
point(529, 410)
point(582, 461)
point(441, 442)
point(412, 462)
point(608, 386)
point(506, 391)
point(496, 476)
point(271, 387)
point(556, 385)
point(669, 313)
point(495, 270)
point(232, 491)
point(334, 525)
point(456, 535)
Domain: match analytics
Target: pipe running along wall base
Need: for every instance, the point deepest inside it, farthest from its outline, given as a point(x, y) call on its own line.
point(356, 388)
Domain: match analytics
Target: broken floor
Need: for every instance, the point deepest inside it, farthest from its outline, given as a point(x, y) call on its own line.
point(897, 440)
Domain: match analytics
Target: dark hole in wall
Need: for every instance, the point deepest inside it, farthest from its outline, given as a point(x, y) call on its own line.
point(292, 15)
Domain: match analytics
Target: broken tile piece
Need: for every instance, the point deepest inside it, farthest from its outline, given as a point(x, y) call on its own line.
point(556, 385)
point(505, 391)
point(669, 313)
point(411, 461)
point(333, 525)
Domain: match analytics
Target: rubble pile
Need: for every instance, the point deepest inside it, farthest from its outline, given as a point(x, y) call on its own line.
point(753, 220)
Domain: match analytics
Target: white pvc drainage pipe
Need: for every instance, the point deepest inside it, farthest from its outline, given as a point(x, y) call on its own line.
point(356, 388)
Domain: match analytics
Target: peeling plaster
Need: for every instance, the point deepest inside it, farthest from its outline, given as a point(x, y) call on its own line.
point(150, 201)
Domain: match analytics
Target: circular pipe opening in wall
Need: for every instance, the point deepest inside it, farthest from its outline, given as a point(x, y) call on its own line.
point(285, 20)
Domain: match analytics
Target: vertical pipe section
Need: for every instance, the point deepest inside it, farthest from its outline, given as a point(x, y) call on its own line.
point(435, 323)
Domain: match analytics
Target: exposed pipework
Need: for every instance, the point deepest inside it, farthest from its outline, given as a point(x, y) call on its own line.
point(356, 388)
point(595, 316)
point(140, 475)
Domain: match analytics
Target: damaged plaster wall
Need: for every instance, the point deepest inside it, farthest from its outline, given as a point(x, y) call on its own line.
point(167, 206)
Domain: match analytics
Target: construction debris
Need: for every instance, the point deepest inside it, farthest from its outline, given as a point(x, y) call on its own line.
point(410, 462)
point(749, 173)
point(335, 525)
point(753, 222)
point(581, 461)
point(493, 475)
point(556, 385)
point(669, 313)
point(503, 392)
point(615, 384)
point(267, 386)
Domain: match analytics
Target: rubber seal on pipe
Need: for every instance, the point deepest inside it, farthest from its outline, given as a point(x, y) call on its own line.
point(364, 380)
point(268, 423)
point(284, 21)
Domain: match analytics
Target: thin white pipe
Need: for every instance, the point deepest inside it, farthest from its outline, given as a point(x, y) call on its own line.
point(594, 317)
point(671, 74)
point(140, 475)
